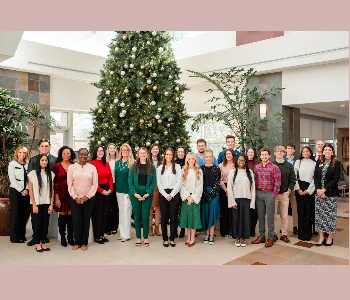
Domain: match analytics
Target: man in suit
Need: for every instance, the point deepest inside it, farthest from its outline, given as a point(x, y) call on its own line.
point(319, 146)
point(44, 147)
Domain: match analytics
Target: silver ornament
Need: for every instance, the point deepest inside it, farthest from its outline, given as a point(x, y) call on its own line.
point(122, 104)
point(149, 81)
point(157, 116)
point(111, 72)
point(116, 49)
point(131, 128)
point(99, 142)
point(156, 142)
point(103, 139)
point(168, 125)
point(148, 144)
point(159, 109)
point(149, 124)
point(148, 43)
point(124, 111)
point(121, 115)
point(170, 76)
point(154, 33)
point(161, 49)
point(108, 92)
point(114, 42)
point(134, 49)
point(177, 140)
point(131, 66)
point(153, 103)
point(177, 99)
point(137, 95)
point(166, 93)
point(115, 100)
point(177, 89)
point(122, 72)
point(137, 148)
point(133, 56)
point(126, 66)
point(154, 74)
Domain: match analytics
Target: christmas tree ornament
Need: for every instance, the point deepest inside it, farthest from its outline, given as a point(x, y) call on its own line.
point(159, 121)
point(166, 93)
point(148, 43)
point(103, 139)
point(184, 112)
point(149, 81)
point(170, 77)
point(124, 111)
point(116, 49)
point(124, 37)
point(148, 144)
point(111, 72)
point(149, 124)
point(121, 115)
point(133, 56)
point(156, 142)
point(153, 103)
point(154, 74)
point(92, 139)
point(115, 100)
point(159, 109)
point(177, 99)
point(126, 66)
point(170, 119)
point(177, 140)
point(188, 140)
point(137, 95)
point(168, 125)
point(142, 121)
point(131, 128)
point(137, 148)
point(100, 111)
point(131, 66)
point(122, 72)
point(177, 88)
point(134, 49)
point(162, 68)
point(126, 91)
point(108, 92)
point(114, 125)
point(142, 67)
point(154, 88)
point(165, 133)
point(122, 104)
point(157, 116)
point(154, 33)
point(114, 42)
point(160, 49)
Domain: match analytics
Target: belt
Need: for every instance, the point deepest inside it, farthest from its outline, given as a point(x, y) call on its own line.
point(264, 190)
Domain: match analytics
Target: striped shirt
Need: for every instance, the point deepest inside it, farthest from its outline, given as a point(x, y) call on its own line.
point(268, 177)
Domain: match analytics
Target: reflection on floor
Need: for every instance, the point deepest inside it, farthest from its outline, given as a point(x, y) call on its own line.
point(223, 252)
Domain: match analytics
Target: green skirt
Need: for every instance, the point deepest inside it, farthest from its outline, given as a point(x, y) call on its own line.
point(190, 216)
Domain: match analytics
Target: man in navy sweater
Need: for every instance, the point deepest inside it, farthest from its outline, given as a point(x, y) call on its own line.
point(230, 144)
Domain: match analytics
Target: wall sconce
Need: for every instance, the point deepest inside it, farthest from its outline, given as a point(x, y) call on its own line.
point(263, 110)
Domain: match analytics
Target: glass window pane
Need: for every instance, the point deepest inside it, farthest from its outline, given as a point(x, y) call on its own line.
point(56, 142)
point(82, 125)
point(60, 117)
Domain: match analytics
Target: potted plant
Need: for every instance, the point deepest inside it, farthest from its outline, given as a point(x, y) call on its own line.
point(14, 118)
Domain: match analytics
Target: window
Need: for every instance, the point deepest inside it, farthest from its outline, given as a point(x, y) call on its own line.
point(82, 125)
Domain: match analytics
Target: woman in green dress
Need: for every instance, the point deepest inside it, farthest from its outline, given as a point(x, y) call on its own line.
point(191, 193)
point(142, 178)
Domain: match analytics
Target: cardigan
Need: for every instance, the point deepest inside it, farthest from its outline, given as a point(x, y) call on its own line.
point(331, 178)
point(192, 186)
point(16, 175)
point(133, 180)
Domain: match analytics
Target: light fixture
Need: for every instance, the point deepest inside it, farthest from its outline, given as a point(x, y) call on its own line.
point(263, 110)
point(342, 105)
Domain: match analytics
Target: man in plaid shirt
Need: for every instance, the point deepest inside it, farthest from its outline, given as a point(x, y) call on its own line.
point(267, 183)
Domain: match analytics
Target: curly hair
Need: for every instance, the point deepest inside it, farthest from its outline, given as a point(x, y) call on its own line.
point(72, 154)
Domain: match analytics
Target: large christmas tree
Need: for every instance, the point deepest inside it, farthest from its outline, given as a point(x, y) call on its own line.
point(139, 99)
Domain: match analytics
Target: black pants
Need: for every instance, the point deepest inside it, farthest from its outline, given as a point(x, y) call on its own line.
point(305, 209)
point(169, 208)
point(99, 214)
point(226, 215)
point(241, 219)
point(19, 216)
point(41, 223)
point(81, 214)
point(113, 213)
point(253, 220)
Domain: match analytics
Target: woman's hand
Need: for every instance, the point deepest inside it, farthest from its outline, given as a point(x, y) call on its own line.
point(169, 198)
point(24, 193)
point(145, 196)
point(300, 192)
point(323, 196)
point(35, 209)
point(190, 200)
point(234, 206)
point(138, 197)
point(58, 203)
point(77, 200)
point(50, 209)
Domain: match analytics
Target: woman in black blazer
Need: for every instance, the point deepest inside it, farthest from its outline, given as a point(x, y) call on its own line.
point(327, 174)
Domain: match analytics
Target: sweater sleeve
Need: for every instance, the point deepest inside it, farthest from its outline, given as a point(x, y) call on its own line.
point(178, 184)
point(184, 192)
point(94, 185)
point(198, 190)
point(216, 187)
point(230, 197)
point(159, 182)
point(252, 201)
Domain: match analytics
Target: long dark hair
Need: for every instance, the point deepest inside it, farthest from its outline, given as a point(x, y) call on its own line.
point(333, 157)
point(72, 154)
point(172, 161)
point(148, 162)
point(159, 156)
point(47, 171)
point(233, 157)
point(246, 169)
point(94, 155)
point(301, 153)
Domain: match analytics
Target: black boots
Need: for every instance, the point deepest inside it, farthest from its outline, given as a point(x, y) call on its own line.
point(63, 221)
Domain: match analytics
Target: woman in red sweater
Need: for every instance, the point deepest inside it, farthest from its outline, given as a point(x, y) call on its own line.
point(104, 189)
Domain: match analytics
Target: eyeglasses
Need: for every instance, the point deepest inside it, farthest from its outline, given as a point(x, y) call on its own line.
point(125, 150)
point(241, 160)
point(100, 150)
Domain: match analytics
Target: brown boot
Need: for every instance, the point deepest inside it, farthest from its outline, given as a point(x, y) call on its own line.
point(156, 230)
point(151, 233)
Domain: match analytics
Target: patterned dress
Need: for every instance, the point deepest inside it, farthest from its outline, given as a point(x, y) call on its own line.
point(325, 208)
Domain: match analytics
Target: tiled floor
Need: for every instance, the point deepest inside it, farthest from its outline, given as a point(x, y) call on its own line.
point(223, 252)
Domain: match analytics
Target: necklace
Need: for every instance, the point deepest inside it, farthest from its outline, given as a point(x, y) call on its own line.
point(122, 165)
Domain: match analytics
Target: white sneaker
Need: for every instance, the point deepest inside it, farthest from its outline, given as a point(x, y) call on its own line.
point(243, 243)
point(211, 240)
point(237, 243)
point(206, 239)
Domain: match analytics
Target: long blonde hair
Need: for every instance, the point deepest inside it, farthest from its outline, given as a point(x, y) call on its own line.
point(197, 168)
point(108, 158)
point(15, 156)
point(131, 159)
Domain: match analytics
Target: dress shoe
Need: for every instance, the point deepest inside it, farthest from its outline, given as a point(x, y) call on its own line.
point(31, 243)
point(328, 244)
point(275, 238)
point(104, 239)
point(46, 249)
point(99, 241)
point(285, 239)
point(166, 244)
point(191, 244)
point(269, 243)
point(39, 250)
point(24, 239)
point(63, 242)
point(172, 244)
point(18, 242)
point(295, 230)
point(259, 240)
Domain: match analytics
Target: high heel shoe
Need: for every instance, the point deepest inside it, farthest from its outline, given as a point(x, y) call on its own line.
point(323, 243)
point(329, 244)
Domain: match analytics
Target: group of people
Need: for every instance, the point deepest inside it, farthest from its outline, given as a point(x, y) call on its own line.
point(190, 190)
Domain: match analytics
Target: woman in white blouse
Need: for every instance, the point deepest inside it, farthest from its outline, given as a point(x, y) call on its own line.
point(241, 197)
point(191, 194)
point(169, 183)
point(304, 188)
point(41, 194)
point(19, 195)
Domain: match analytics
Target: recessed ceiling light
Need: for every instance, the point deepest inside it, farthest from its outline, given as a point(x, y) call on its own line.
point(342, 105)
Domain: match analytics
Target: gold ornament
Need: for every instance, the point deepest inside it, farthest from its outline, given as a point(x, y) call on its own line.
point(142, 121)
point(184, 112)
point(154, 88)
point(188, 141)
point(142, 67)
point(100, 111)
point(159, 121)
point(124, 37)
point(126, 91)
